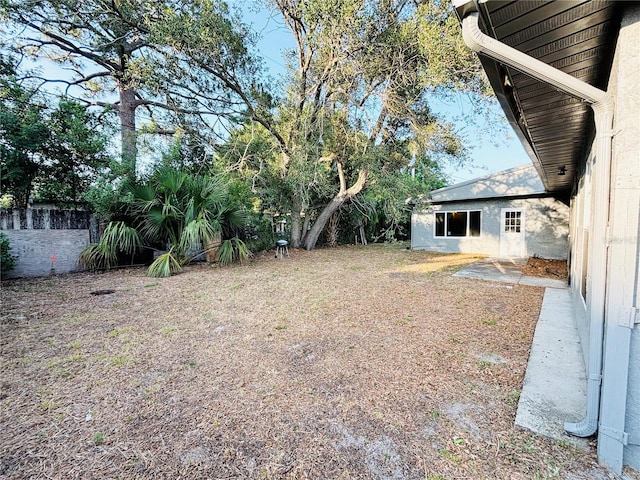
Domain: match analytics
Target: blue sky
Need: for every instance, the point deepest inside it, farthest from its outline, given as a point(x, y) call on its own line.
point(490, 154)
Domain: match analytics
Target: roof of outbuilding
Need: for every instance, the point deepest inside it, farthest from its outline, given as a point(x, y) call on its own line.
point(516, 182)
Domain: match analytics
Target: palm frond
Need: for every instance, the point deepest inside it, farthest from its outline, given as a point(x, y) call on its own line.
point(169, 179)
point(232, 250)
point(119, 236)
point(214, 191)
point(145, 193)
point(225, 253)
point(235, 217)
point(152, 226)
point(97, 257)
point(165, 265)
point(190, 210)
point(194, 233)
point(242, 251)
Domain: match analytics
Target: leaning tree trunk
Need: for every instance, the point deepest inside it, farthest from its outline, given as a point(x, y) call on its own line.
point(336, 202)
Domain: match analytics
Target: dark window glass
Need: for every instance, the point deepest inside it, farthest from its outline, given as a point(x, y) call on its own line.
point(439, 224)
point(456, 224)
point(474, 224)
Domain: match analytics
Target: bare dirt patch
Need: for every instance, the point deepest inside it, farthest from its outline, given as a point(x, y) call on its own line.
point(542, 267)
point(368, 362)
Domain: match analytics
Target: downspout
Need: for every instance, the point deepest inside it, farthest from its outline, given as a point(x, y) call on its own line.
point(602, 105)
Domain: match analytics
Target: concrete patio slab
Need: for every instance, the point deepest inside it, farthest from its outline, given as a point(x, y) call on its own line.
point(506, 270)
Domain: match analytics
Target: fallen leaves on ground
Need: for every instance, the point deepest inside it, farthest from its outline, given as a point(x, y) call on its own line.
point(543, 267)
point(354, 362)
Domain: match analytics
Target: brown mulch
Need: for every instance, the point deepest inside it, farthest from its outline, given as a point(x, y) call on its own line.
point(542, 267)
point(347, 363)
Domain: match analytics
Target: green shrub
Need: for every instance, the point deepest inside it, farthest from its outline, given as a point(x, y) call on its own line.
point(232, 250)
point(260, 233)
point(7, 261)
point(104, 254)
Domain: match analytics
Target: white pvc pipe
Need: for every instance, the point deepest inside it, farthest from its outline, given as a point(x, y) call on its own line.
point(602, 105)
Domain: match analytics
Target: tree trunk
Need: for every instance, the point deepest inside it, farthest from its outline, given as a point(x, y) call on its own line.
point(329, 209)
point(332, 229)
point(305, 225)
point(363, 237)
point(296, 227)
point(336, 202)
point(127, 113)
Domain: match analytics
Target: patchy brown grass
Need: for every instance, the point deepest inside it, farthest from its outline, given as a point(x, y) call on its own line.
point(367, 362)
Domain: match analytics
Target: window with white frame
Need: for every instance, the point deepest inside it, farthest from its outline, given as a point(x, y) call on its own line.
point(465, 223)
point(512, 221)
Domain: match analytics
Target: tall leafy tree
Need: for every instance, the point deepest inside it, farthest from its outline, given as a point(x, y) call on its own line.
point(75, 156)
point(45, 153)
point(24, 135)
point(96, 42)
point(357, 103)
point(385, 208)
point(116, 56)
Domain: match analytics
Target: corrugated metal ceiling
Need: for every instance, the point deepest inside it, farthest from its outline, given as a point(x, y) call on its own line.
point(577, 37)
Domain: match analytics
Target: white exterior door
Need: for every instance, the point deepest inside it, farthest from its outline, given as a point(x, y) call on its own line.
point(512, 242)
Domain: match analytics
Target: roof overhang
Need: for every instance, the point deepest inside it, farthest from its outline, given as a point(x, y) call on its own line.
point(577, 37)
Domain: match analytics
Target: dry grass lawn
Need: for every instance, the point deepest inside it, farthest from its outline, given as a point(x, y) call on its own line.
point(348, 363)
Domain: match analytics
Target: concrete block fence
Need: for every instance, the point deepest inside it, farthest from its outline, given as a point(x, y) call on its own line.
point(47, 241)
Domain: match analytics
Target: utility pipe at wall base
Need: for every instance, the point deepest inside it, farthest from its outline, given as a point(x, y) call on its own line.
point(603, 115)
point(602, 105)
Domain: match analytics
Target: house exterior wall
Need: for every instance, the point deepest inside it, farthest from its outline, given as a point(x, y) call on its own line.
point(546, 227)
point(624, 250)
point(580, 227)
point(620, 398)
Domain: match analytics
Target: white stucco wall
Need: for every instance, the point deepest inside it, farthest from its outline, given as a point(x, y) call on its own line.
point(579, 262)
point(546, 228)
point(620, 400)
point(624, 251)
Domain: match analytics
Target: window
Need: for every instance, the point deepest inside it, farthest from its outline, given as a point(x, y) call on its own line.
point(512, 221)
point(474, 223)
point(585, 264)
point(439, 224)
point(457, 224)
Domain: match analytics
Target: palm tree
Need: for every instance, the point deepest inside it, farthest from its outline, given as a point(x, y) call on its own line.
point(178, 212)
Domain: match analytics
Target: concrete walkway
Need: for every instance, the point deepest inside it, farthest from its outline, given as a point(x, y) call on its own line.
point(554, 388)
point(555, 384)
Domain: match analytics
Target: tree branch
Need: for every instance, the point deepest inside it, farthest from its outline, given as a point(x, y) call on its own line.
point(343, 182)
point(68, 46)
